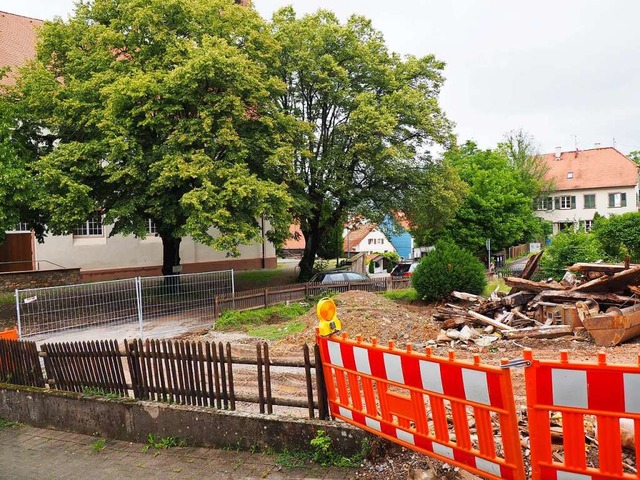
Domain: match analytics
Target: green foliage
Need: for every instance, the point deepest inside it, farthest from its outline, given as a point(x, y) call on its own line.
point(323, 453)
point(7, 424)
point(98, 392)
point(364, 115)
point(238, 320)
point(448, 268)
point(405, 295)
point(372, 267)
point(162, 110)
point(98, 445)
point(331, 243)
point(569, 247)
point(496, 284)
point(619, 235)
point(320, 266)
point(277, 331)
point(163, 443)
point(499, 204)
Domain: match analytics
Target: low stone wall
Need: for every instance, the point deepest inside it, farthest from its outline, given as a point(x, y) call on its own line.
point(9, 281)
point(133, 421)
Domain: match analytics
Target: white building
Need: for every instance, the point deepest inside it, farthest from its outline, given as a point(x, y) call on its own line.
point(367, 239)
point(598, 180)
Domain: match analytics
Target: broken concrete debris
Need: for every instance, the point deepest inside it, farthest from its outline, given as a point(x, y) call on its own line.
point(601, 299)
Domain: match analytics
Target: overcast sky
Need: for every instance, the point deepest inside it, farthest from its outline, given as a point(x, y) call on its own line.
point(564, 71)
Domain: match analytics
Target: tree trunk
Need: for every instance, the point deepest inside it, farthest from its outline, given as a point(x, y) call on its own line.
point(311, 243)
point(171, 260)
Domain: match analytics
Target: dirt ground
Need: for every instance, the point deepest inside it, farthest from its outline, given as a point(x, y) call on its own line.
point(372, 315)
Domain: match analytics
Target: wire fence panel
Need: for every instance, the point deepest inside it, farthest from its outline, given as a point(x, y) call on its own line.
point(54, 309)
point(149, 305)
point(179, 302)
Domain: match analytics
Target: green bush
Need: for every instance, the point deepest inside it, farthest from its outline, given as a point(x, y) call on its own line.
point(372, 267)
point(569, 247)
point(448, 268)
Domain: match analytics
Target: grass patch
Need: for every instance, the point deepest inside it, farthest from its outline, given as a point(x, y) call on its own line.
point(163, 443)
point(232, 320)
point(323, 454)
point(7, 424)
point(6, 298)
point(406, 294)
point(98, 445)
point(277, 331)
point(98, 392)
point(497, 282)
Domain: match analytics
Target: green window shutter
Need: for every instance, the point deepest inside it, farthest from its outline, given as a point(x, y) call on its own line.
point(623, 199)
point(611, 199)
point(573, 201)
point(556, 203)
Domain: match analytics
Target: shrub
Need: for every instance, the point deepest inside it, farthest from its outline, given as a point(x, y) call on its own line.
point(372, 267)
point(569, 247)
point(448, 268)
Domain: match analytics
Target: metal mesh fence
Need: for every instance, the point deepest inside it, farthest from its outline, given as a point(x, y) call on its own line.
point(146, 304)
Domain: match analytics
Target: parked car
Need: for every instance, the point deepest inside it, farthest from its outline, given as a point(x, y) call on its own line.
point(332, 276)
point(404, 269)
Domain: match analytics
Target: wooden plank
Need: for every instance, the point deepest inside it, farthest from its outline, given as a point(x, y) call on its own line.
point(608, 268)
point(210, 365)
point(232, 393)
point(550, 331)
point(489, 321)
point(223, 376)
point(531, 265)
point(528, 285)
point(267, 377)
point(216, 375)
point(573, 295)
point(259, 361)
point(323, 404)
point(617, 282)
point(203, 378)
point(308, 380)
point(169, 366)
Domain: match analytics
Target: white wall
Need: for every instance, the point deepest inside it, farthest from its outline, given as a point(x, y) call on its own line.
point(580, 214)
point(379, 243)
point(98, 253)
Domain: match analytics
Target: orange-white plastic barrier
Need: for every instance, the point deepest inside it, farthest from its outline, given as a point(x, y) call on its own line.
point(10, 334)
point(410, 398)
point(608, 392)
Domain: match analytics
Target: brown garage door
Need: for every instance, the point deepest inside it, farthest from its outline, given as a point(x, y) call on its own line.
point(16, 253)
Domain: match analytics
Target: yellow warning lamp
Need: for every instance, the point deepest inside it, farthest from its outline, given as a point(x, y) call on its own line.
point(329, 323)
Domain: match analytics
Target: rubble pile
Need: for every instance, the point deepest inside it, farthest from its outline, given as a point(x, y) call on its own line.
point(593, 300)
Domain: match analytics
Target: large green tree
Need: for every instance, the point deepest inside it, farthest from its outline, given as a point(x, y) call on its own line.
point(366, 117)
point(19, 184)
point(159, 110)
point(499, 204)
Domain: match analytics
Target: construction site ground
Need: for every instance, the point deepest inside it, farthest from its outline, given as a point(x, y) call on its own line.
point(372, 315)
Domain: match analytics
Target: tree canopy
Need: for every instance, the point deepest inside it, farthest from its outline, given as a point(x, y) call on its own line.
point(499, 204)
point(158, 110)
point(365, 119)
point(619, 235)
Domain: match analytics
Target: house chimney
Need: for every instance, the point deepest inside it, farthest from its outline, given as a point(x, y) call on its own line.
point(558, 152)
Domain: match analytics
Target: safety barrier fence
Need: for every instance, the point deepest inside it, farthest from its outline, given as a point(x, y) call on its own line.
point(573, 392)
point(187, 373)
point(426, 403)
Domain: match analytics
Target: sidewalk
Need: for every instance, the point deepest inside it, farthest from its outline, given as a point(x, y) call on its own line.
point(27, 453)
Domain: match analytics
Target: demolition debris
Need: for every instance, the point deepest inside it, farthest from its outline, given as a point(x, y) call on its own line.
point(593, 300)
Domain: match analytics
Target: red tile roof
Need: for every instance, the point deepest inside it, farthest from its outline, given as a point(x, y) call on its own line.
point(17, 41)
point(594, 168)
point(354, 237)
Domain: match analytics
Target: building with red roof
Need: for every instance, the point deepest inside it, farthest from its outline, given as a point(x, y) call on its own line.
point(598, 180)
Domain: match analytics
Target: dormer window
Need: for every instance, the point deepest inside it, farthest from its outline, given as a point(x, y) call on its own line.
point(569, 174)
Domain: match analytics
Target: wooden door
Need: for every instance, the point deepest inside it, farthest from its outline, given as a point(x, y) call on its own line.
point(16, 253)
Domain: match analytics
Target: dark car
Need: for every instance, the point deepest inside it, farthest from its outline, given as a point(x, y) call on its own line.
point(404, 269)
point(332, 276)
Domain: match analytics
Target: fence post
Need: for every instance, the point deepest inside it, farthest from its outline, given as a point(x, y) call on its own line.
point(266, 297)
point(18, 314)
point(139, 303)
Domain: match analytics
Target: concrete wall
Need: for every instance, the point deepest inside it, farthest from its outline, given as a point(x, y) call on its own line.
point(130, 420)
point(37, 279)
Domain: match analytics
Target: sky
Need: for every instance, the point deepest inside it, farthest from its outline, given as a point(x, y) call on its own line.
point(566, 72)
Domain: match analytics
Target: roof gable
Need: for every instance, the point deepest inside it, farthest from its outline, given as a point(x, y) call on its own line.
point(17, 42)
point(594, 168)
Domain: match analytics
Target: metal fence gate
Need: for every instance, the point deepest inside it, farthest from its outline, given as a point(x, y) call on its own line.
point(169, 303)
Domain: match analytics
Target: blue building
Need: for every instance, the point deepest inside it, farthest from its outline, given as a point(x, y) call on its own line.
point(401, 240)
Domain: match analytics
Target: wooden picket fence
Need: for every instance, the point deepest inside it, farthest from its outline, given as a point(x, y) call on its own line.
point(187, 373)
point(265, 297)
